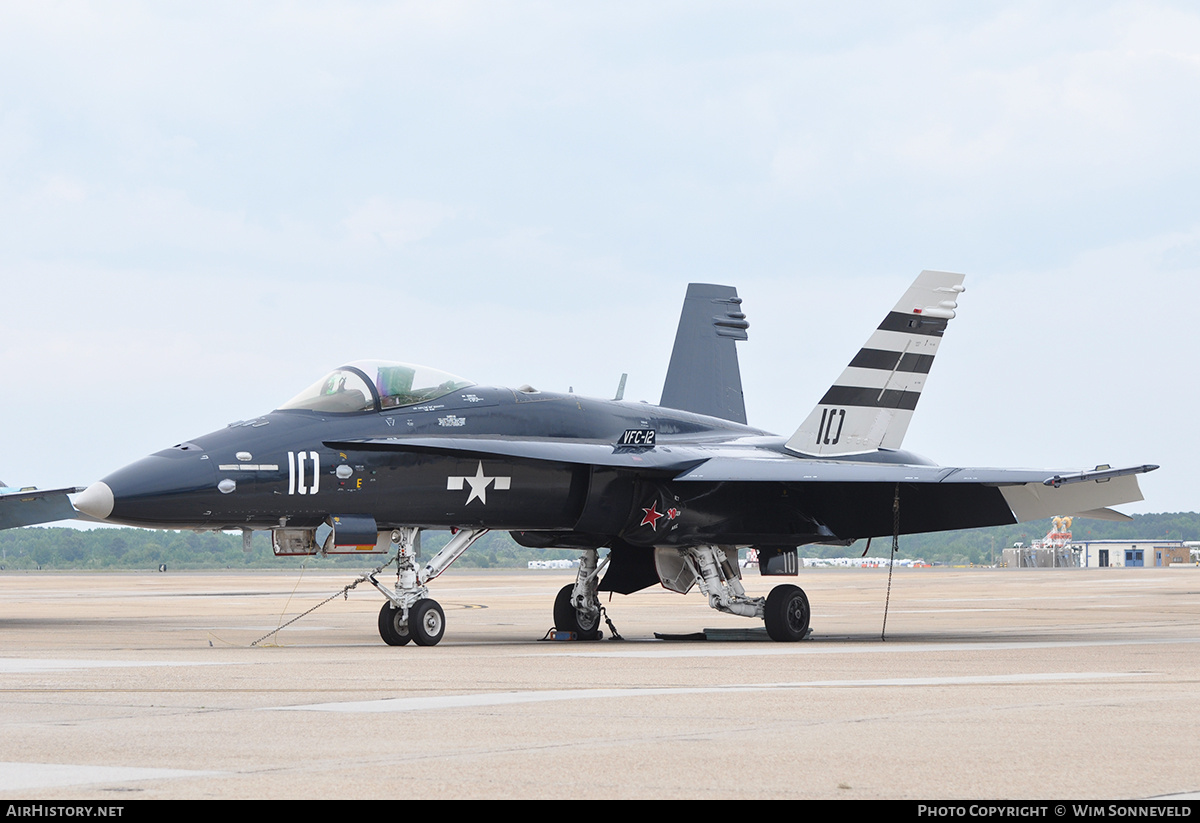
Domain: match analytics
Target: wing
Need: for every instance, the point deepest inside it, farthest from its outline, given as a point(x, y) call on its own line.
point(557, 451)
point(28, 507)
point(1029, 494)
point(842, 491)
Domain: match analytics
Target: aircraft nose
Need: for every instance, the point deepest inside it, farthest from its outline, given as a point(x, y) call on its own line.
point(95, 501)
point(172, 489)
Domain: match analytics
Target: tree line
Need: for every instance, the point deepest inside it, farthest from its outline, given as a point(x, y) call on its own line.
point(35, 547)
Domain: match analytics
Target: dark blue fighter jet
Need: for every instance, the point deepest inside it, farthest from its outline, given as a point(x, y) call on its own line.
point(376, 452)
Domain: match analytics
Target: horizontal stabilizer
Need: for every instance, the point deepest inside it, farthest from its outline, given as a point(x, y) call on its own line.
point(784, 469)
point(1105, 514)
point(871, 404)
point(28, 507)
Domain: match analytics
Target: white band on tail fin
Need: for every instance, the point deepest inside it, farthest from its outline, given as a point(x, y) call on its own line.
point(871, 404)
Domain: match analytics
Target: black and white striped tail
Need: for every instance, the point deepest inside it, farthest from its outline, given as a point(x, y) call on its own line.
point(871, 404)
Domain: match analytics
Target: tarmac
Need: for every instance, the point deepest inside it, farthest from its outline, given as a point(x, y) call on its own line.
point(991, 683)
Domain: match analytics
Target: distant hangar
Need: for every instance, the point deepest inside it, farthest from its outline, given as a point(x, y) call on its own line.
point(1098, 554)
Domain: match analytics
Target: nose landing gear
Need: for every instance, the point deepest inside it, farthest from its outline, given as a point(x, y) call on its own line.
point(409, 614)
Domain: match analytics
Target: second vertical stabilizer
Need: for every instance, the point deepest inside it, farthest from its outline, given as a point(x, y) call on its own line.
point(704, 376)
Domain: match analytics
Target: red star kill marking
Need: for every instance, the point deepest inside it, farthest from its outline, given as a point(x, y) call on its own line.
point(652, 515)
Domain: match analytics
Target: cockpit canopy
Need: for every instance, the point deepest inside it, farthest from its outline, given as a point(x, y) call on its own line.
point(372, 385)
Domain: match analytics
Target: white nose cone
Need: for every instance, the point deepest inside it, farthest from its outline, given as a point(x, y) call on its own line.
point(95, 501)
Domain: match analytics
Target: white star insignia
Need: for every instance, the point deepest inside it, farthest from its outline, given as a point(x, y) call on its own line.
point(479, 484)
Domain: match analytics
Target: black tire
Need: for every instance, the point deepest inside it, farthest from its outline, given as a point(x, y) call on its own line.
point(787, 614)
point(566, 617)
point(426, 622)
point(390, 628)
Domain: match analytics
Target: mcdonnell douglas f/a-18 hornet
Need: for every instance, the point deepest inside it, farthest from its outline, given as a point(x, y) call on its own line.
point(376, 452)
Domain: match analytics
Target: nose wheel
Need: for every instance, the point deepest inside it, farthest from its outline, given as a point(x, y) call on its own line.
point(427, 622)
point(425, 625)
point(392, 627)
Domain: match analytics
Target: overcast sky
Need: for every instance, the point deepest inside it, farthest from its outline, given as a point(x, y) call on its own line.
point(204, 207)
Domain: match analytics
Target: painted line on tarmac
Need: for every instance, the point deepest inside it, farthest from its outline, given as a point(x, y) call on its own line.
point(26, 665)
point(846, 646)
point(19, 777)
point(467, 701)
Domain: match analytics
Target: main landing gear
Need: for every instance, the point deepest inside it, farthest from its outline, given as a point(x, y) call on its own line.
point(577, 606)
point(409, 614)
point(785, 610)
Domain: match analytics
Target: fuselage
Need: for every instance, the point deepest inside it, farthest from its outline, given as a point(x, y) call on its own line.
point(256, 472)
point(279, 470)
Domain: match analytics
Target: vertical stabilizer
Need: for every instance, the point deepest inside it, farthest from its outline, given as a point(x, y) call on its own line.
point(704, 376)
point(871, 404)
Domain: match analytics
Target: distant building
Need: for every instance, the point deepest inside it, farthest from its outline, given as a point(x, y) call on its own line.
point(553, 564)
point(1097, 554)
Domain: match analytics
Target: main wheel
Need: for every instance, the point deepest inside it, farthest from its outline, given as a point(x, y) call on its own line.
point(427, 622)
point(787, 613)
point(391, 628)
point(568, 619)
